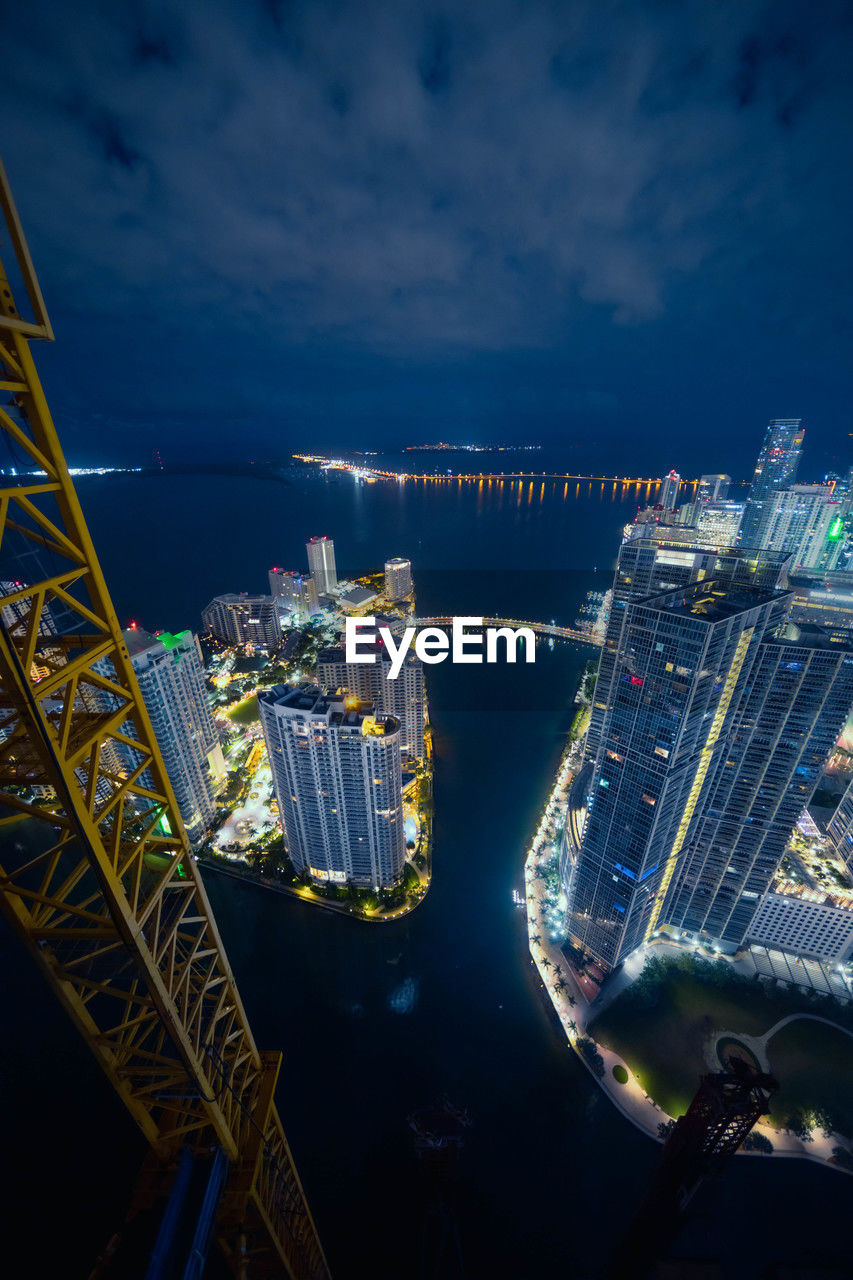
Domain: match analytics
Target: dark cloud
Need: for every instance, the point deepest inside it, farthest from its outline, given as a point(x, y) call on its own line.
point(423, 182)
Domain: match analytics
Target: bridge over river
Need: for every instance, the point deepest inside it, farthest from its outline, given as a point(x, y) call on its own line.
point(540, 628)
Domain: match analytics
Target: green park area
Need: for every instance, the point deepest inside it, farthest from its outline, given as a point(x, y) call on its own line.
point(245, 712)
point(814, 1066)
point(663, 1024)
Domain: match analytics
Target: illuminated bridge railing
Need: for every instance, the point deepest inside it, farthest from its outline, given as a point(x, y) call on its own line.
point(540, 628)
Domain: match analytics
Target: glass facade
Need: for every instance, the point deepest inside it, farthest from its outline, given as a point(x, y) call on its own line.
point(712, 737)
point(776, 468)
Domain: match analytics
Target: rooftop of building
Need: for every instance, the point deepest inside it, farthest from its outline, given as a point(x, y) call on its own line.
point(823, 489)
point(802, 893)
point(832, 579)
point(806, 635)
point(676, 535)
point(335, 708)
point(712, 601)
point(355, 597)
point(240, 597)
point(138, 640)
point(367, 644)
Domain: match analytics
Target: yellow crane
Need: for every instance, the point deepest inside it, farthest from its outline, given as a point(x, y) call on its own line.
point(105, 893)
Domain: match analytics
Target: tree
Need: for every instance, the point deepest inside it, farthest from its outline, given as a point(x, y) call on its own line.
point(590, 1052)
point(558, 969)
point(757, 1142)
point(536, 939)
point(800, 1124)
point(823, 1120)
point(572, 1001)
point(573, 1027)
point(843, 1157)
point(665, 1128)
point(546, 962)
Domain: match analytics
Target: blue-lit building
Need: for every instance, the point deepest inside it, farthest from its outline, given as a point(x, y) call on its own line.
point(776, 468)
point(669, 487)
point(719, 717)
point(648, 565)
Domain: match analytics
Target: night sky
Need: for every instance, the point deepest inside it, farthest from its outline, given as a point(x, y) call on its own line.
point(622, 228)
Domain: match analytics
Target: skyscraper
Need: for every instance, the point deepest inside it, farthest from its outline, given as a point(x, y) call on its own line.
point(238, 618)
point(802, 520)
point(321, 563)
point(776, 468)
point(338, 781)
point(715, 523)
point(716, 728)
point(713, 488)
point(669, 487)
point(650, 565)
point(294, 593)
point(171, 679)
point(840, 827)
point(402, 698)
point(398, 579)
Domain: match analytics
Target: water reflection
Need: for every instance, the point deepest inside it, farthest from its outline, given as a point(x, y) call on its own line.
point(404, 997)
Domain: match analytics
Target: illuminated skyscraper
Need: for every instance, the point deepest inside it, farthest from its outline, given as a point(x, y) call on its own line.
point(715, 523)
point(238, 618)
point(713, 488)
point(321, 564)
point(650, 565)
point(776, 468)
point(717, 724)
point(398, 579)
point(669, 487)
point(805, 520)
point(338, 781)
point(294, 593)
point(171, 679)
point(402, 698)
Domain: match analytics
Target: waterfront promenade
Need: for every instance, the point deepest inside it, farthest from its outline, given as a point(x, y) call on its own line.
point(576, 1010)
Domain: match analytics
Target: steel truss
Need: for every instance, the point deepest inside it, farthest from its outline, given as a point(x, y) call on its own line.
point(96, 875)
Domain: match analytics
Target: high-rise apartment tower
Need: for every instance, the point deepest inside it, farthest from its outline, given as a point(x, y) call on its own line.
point(402, 698)
point(238, 618)
point(171, 680)
point(338, 780)
point(321, 563)
point(669, 487)
point(398, 579)
point(776, 468)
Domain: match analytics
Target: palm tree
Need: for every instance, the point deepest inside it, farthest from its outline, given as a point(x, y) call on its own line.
point(572, 1001)
point(558, 969)
point(536, 939)
point(546, 962)
point(573, 1026)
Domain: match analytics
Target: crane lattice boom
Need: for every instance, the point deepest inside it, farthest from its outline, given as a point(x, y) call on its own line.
point(100, 883)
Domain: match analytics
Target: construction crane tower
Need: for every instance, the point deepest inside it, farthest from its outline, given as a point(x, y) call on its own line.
point(101, 885)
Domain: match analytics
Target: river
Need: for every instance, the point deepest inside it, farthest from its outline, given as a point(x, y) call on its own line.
point(376, 1021)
